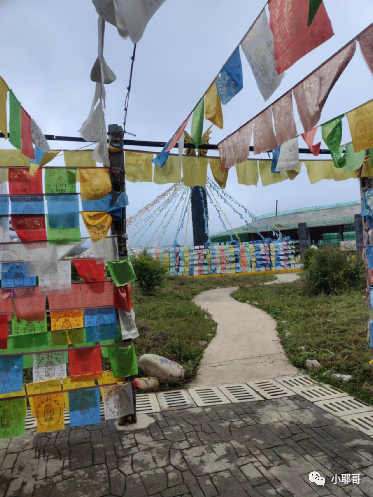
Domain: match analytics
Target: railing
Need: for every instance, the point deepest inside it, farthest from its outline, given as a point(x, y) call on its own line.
point(305, 209)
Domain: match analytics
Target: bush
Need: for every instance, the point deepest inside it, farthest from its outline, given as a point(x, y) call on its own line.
point(150, 273)
point(307, 257)
point(333, 271)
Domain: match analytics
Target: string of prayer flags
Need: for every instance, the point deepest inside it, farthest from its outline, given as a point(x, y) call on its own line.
point(309, 138)
point(118, 401)
point(49, 413)
point(97, 224)
point(65, 320)
point(128, 325)
point(312, 93)
point(49, 366)
point(102, 205)
point(118, 207)
point(13, 275)
point(122, 297)
point(63, 211)
point(366, 45)
point(312, 10)
point(258, 48)
point(97, 294)
point(11, 374)
point(318, 170)
point(89, 270)
point(332, 136)
point(275, 157)
point(361, 127)
point(4, 319)
point(13, 418)
point(3, 113)
point(85, 361)
point(236, 147)
point(121, 272)
point(161, 159)
point(264, 136)
point(195, 171)
point(283, 117)
point(22, 327)
point(289, 156)
point(75, 383)
point(100, 324)
point(169, 173)
point(14, 121)
point(62, 236)
point(138, 167)
point(26, 138)
point(84, 406)
point(56, 278)
point(220, 176)
point(6, 302)
point(213, 109)
point(197, 123)
point(94, 183)
point(21, 182)
point(267, 177)
point(248, 173)
point(123, 361)
point(38, 137)
point(29, 304)
point(78, 158)
point(293, 39)
point(230, 81)
point(106, 250)
point(60, 180)
point(29, 227)
point(350, 160)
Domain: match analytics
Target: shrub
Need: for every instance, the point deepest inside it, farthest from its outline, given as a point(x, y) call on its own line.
point(333, 271)
point(150, 273)
point(307, 257)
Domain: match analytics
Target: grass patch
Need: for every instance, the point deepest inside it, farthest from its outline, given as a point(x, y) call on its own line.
point(329, 328)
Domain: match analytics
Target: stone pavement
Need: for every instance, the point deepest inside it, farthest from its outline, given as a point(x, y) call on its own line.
point(256, 449)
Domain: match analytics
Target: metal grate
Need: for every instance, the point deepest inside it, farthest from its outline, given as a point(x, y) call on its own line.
point(147, 402)
point(208, 396)
point(316, 393)
point(237, 392)
point(270, 389)
point(343, 406)
point(299, 381)
point(363, 422)
point(177, 399)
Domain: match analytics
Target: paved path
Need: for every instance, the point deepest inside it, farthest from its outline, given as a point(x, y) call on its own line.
point(255, 449)
point(246, 346)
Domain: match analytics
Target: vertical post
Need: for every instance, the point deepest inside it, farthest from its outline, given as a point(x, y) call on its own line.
point(359, 233)
point(199, 213)
point(303, 238)
point(276, 207)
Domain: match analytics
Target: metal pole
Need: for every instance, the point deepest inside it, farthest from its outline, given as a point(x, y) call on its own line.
point(276, 206)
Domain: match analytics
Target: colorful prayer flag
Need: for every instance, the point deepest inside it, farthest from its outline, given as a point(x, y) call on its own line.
point(55, 278)
point(138, 167)
point(84, 406)
point(29, 304)
point(97, 224)
point(29, 228)
point(11, 374)
point(121, 272)
point(27, 204)
point(103, 204)
point(74, 383)
point(123, 361)
point(230, 81)
point(248, 173)
point(366, 45)
point(122, 297)
point(27, 148)
point(21, 182)
point(63, 211)
point(12, 418)
point(94, 183)
point(220, 176)
point(213, 109)
point(13, 274)
point(312, 10)
point(13, 158)
point(14, 121)
point(236, 147)
point(309, 138)
point(178, 134)
point(128, 326)
point(332, 136)
point(319, 169)
point(49, 413)
point(100, 324)
point(65, 320)
point(361, 127)
point(275, 157)
point(118, 401)
point(195, 171)
point(3, 113)
point(169, 173)
point(22, 327)
point(85, 361)
point(283, 117)
point(78, 158)
point(351, 160)
point(267, 177)
point(289, 156)
point(4, 320)
point(60, 180)
point(49, 366)
point(264, 136)
point(65, 301)
point(97, 294)
point(6, 302)
point(62, 236)
point(38, 138)
point(89, 270)
point(160, 160)
point(197, 123)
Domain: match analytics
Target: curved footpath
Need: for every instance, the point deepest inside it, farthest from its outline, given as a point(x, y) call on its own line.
point(246, 346)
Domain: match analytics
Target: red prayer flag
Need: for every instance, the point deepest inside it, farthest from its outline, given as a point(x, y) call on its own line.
point(66, 301)
point(6, 301)
point(179, 132)
point(4, 331)
point(27, 148)
point(122, 297)
point(97, 294)
point(292, 38)
point(20, 181)
point(308, 138)
point(89, 270)
point(29, 227)
point(84, 361)
point(29, 304)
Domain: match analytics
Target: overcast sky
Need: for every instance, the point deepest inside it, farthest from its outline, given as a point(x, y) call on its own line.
point(48, 49)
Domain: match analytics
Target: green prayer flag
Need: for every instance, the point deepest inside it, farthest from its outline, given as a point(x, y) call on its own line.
point(60, 180)
point(62, 236)
point(122, 272)
point(13, 417)
point(197, 123)
point(371, 156)
point(84, 344)
point(14, 121)
point(112, 341)
point(332, 136)
point(352, 160)
point(23, 327)
point(313, 8)
point(123, 361)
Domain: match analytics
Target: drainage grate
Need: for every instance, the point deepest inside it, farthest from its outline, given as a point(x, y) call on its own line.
point(147, 402)
point(299, 381)
point(319, 393)
point(30, 421)
point(270, 389)
point(343, 406)
point(208, 396)
point(177, 399)
point(237, 392)
point(363, 422)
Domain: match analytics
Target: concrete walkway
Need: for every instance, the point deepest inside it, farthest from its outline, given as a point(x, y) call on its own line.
point(246, 346)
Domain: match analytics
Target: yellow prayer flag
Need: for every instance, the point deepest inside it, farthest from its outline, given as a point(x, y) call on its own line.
point(248, 173)
point(361, 127)
point(213, 109)
point(49, 413)
point(106, 378)
point(267, 177)
point(79, 158)
point(292, 174)
point(97, 224)
point(367, 171)
point(219, 177)
point(87, 380)
point(41, 387)
point(139, 167)
point(94, 183)
point(340, 175)
point(3, 115)
point(48, 156)
point(169, 173)
point(65, 320)
point(13, 158)
point(194, 170)
point(319, 169)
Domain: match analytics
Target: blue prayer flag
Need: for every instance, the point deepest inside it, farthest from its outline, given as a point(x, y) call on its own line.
point(161, 159)
point(120, 204)
point(13, 275)
point(276, 155)
point(230, 81)
point(38, 156)
point(84, 407)
point(4, 206)
point(370, 256)
point(63, 211)
point(27, 204)
point(103, 204)
point(11, 374)
point(100, 324)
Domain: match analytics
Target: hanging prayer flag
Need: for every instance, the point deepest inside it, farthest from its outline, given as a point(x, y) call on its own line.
point(27, 148)
point(361, 126)
point(352, 161)
point(312, 10)
point(62, 236)
point(169, 173)
point(60, 180)
point(13, 158)
point(29, 304)
point(84, 406)
point(292, 38)
point(267, 177)
point(49, 366)
point(27, 204)
point(55, 279)
point(289, 156)
point(283, 117)
point(49, 413)
point(340, 174)
point(100, 324)
point(89, 270)
point(312, 93)
point(123, 361)
point(366, 45)
point(160, 160)
point(258, 48)
point(309, 138)
point(138, 167)
point(39, 388)
point(97, 294)
point(4, 320)
point(247, 173)
point(213, 109)
point(127, 324)
point(38, 138)
point(63, 211)
point(29, 228)
point(332, 136)
point(48, 157)
point(38, 157)
point(118, 207)
point(22, 327)
point(236, 147)
point(78, 158)
point(13, 417)
point(275, 157)
point(6, 302)
point(367, 210)
point(367, 169)
point(118, 401)
point(178, 134)
point(66, 320)
point(97, 224)
point(94, 183)
point(195, 171)
point(14, 275)
point(3, 114)
point(74, 383)
point(197, 123)
point(102, 205)
point(14, 121)
point(106, 250)
point(294, 173)
point(122, 297)
point(21, 183)
point(264, 136)
point(318, 170)
point(122, 272)
point(230, 81)
point(219, 176)
point(11, 374)
point(85, 361)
